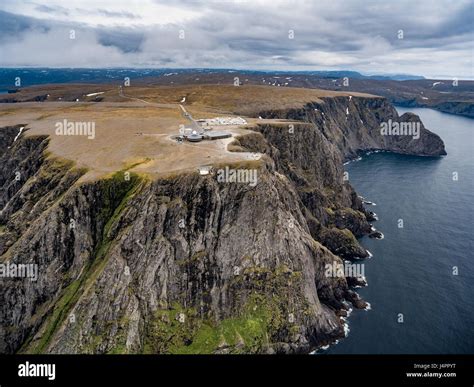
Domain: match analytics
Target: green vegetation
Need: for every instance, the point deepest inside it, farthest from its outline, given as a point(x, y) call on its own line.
point(348, 234)
point(262, 318)
point(181, 331)
point(59, 314)
point(116, 192)
point(330, 211)
point(247, 333)
point(120, 339)
point(133, 165)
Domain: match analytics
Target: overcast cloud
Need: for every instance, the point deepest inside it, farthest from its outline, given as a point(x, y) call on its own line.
point(438, 35)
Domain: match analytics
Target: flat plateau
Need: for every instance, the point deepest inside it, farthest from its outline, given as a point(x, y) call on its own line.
point(135, 128)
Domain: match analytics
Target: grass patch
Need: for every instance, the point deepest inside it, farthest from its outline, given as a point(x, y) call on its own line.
point(249, 332)
point(116, 192)
point(262, 319)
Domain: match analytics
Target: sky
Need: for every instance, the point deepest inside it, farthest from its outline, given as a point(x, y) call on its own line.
point(433, 38)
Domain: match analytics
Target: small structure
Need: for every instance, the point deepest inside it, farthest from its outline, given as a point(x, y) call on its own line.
point(220, 121)
point(217, 135)
point(194, 137)
point(205, 170)
point(186, 132)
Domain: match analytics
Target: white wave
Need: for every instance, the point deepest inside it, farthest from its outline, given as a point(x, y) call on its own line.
point(346, 329)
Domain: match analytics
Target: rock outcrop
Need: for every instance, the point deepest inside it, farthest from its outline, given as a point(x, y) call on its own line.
point(188, 264)
point(353, 125)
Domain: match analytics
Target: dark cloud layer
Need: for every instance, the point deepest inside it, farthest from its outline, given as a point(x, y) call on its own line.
point(360, 35)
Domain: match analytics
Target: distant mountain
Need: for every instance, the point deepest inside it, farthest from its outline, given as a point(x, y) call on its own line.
point(330, 74)
point(41, 76)
point(396, 77)
point(357, 75)
point(400, 89)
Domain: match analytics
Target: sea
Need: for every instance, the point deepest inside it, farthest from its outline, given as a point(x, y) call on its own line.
point(421, 275)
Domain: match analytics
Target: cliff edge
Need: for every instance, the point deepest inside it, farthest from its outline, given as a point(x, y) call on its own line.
point(192, 263)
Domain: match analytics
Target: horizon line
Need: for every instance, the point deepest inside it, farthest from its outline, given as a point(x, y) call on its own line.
point(366, 74)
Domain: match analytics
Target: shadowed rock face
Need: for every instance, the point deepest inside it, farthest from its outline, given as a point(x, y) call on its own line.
point(352, 124)
point(189, 264)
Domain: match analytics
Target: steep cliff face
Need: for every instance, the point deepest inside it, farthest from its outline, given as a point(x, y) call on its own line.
point(30, 183)
point(311, 155)
point(314, 166)
point(189, 264)
point(353, 125)
point(237, 263)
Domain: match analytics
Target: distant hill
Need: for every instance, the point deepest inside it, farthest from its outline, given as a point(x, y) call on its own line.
point(400, 89)
point(42, 76)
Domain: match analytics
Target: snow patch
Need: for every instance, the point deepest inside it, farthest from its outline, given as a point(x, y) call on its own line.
point(94, 94)
point(19, 133)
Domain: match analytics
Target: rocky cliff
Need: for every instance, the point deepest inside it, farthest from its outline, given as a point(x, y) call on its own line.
point(352, 124)
point(186, 263)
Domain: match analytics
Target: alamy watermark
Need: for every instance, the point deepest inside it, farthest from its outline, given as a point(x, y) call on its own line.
point(395, 128)
point(340, 270)
point(28, 369)
point(19, 270)
point(243, 176)
point(75, 128)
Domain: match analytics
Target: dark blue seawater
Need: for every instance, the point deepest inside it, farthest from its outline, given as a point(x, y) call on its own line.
point(411, 271)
